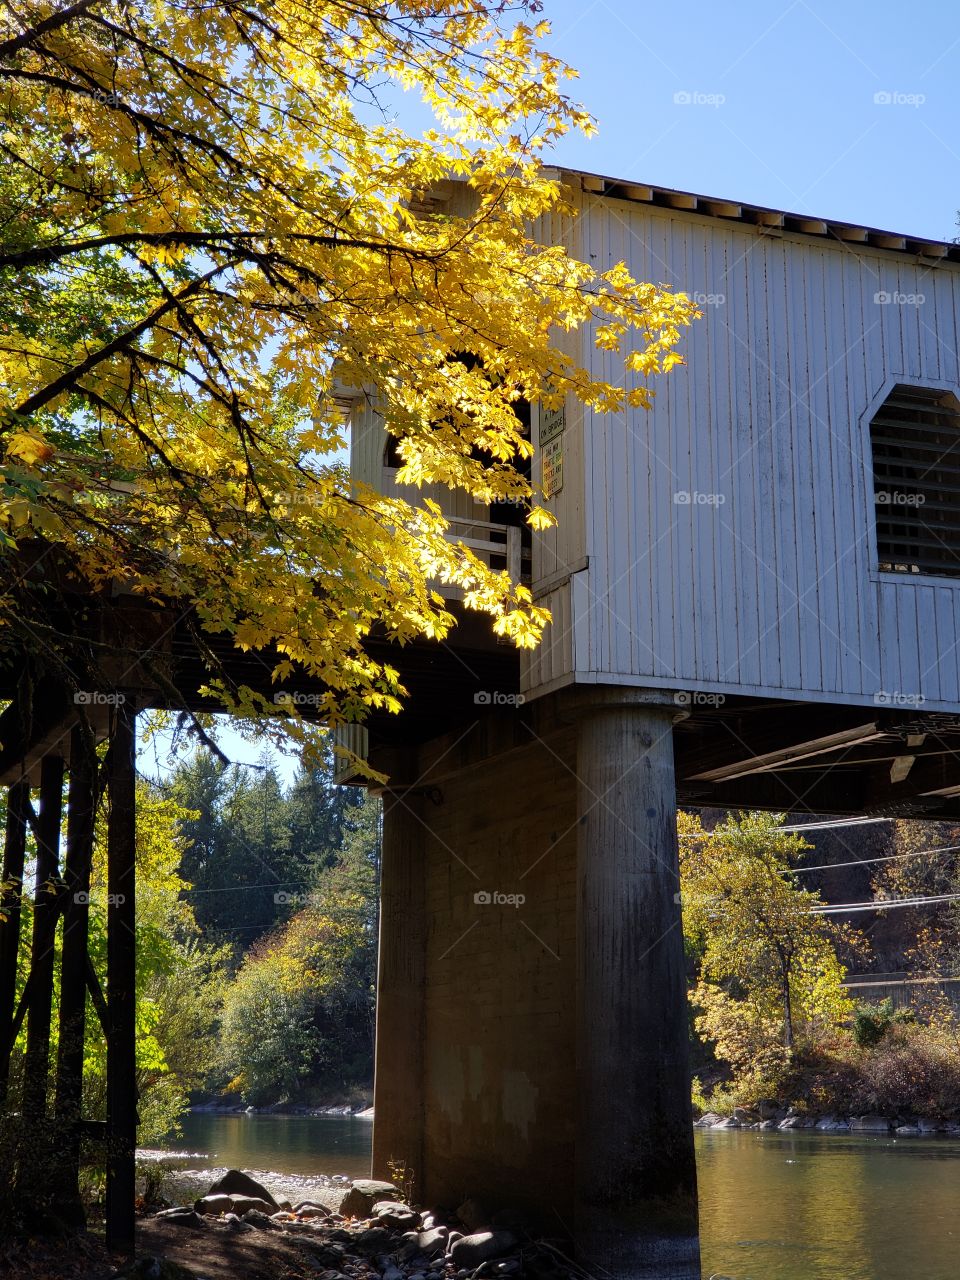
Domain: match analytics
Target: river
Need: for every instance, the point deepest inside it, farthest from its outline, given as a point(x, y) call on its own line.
point(774, 1206)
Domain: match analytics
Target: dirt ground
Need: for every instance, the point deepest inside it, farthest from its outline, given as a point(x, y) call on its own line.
point(213, 1252)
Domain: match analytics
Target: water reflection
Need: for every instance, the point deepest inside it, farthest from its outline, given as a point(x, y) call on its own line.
point(794, 1206)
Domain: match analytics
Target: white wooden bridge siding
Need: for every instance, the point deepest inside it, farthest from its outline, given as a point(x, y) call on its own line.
point(776, 590)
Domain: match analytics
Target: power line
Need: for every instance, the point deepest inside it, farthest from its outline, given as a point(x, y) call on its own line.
point(862, 862)
point(802, 826)
point(881, 904)
point(825, 826)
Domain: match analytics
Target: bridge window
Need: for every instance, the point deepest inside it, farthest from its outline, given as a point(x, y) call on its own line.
point(915, 439)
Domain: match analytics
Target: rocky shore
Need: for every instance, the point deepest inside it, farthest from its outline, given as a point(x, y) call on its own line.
point(362, 1111)
point(771, 1117)
point(348, 1230)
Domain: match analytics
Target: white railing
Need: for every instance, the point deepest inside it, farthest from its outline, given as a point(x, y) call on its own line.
point(490, 539)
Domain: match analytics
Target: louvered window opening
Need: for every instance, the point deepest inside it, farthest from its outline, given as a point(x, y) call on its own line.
point(915, 438)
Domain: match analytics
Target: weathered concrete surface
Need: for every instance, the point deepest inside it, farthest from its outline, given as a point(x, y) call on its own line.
point(636, 1210)
point(514, 1110)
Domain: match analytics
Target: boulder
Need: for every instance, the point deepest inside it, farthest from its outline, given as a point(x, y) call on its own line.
point(908, 1131)
point(311, 1209)
point(470, 1251)
point(431, 1243)
point(394, 1214)
point(215, 1206)
point(181, 1216)
point(243, 1204)
point(233, 1223)
point(261, 1221)
point(707, 1121)
point(869, 1124)
point(236, 1183)
point(767, 1124)
point(363, 1195)
point(391, 1272)
point(731, 1122)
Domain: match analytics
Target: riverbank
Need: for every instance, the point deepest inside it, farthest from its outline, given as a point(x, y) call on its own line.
point(767, 1118)
point(244, 1229)
point(361, 1110)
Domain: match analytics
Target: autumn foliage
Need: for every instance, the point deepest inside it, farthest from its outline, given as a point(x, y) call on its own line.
point(210, 222)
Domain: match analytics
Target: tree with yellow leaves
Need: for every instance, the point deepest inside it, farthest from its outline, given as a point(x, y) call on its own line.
point(209, 219)
point(770, 972)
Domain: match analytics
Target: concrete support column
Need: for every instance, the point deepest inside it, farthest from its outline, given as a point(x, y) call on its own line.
point(636, 1209)
point(399, 1065)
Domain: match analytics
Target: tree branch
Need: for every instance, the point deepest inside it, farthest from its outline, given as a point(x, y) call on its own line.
point(9, 47)
point(67, 379)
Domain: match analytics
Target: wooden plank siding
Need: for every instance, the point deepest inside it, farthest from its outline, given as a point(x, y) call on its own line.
point(765, 581)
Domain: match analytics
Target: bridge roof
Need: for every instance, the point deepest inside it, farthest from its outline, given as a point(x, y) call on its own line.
point(768, 221)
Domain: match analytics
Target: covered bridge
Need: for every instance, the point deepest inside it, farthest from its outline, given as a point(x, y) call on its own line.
point(755, 589)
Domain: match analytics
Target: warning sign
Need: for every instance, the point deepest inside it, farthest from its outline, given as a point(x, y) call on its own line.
point(552, 423)
point(551, 456)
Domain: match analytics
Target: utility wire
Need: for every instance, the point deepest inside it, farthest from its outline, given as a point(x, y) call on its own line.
point(806, 826)
point(882, 904)
point(862, 862)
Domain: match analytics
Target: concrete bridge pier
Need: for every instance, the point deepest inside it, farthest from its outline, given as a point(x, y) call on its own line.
point(636, 1194)
point(532, 1042)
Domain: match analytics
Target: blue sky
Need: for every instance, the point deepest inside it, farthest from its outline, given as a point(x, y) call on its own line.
point(845, 111)
point(784, 108)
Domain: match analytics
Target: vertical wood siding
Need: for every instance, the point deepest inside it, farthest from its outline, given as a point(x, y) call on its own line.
point(730, 531)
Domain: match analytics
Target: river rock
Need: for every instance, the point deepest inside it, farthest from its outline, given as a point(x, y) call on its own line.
point(767, 1124)
point(394, 1214)
point(430, 1243)
point(363, 1195)
point(908, 1131)
point(243, 1204)
point(471, 1250)
point(707, 1121)
point(731, 1122)
point(216, 1206)
point(373, 1240)
point(233, 1223)
point(869, 1124)
point(236, 1183)
point(260, 1220)
point(181, 1216)
point(311, 1209)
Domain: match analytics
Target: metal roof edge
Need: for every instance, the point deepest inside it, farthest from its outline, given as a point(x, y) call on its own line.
point(767, 219)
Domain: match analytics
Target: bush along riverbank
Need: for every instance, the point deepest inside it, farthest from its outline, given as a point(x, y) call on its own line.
point(893, 1075)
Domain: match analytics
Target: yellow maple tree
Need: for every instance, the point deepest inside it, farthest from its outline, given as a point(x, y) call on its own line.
point(209, 220)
